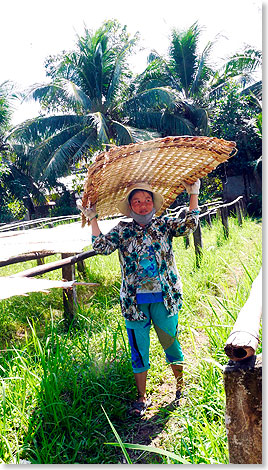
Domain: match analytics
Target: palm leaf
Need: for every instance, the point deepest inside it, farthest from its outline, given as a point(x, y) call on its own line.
point(183, 53)
point(101, 124)
point(254, 90)
point(122, 133)
point(147, 120)
point(172, 124)
point(203, 72)
point(117, 73)
point(54, 159)
point(77, 94)
point(35, 130)
point(97, 60)
point(248, 60)
point(141, 135)
point(155, 98)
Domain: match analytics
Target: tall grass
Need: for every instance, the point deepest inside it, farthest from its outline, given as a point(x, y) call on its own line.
point(57, 387)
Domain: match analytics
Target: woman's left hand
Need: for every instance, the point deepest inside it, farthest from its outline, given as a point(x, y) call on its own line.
point(192, 188)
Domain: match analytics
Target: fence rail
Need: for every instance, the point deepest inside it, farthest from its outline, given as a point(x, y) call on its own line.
point(37, 223)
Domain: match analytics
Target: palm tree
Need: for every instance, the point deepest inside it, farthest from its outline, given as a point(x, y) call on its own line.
point(83, 104)
point(16, 185)
point(184, 73)
point(194, 83)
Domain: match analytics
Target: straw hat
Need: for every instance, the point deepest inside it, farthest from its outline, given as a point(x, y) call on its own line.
point(162, 163)
point(124, 206)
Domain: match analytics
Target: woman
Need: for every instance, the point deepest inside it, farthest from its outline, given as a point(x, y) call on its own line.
point(151, 290)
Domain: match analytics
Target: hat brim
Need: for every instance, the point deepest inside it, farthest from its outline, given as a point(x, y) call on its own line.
point(124, 206)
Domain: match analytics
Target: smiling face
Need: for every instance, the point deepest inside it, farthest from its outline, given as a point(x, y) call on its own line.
point(141, 202)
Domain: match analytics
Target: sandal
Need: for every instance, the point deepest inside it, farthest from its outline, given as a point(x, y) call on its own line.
point(139, 408)
point(178, 396)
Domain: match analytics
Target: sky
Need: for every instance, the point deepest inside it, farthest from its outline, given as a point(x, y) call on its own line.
point(32, 30)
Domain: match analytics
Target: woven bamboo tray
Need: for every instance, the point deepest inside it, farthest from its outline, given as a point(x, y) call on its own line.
point(163, 163)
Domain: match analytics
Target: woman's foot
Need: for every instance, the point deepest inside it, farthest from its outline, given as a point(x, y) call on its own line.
point(139, 407)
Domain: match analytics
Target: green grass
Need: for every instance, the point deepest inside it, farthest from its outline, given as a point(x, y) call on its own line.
point(64, 394)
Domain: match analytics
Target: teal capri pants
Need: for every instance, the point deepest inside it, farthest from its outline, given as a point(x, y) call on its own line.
point(139, 336)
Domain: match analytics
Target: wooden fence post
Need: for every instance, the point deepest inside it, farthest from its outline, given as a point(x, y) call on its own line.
point(243, 415)
point(243, 206)
point(224, 219)
point(243, 382)
point(208, 219)
point(238, 212)
point(81, 267)
point(186, 240)
point(69, 295)
point(198, 244)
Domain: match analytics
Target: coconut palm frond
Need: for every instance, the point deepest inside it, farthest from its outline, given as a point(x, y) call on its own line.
point(255, 91)
point(154, 98)
point(117, 70)
point(141, 135)
point(60, 94)
point(77, 94)
point(101, 125)
point(37, 129)
point(203, 73)
point(184, 56)
point(66, 154)
point(172, 124)
point(248, 60)
point(122, 133)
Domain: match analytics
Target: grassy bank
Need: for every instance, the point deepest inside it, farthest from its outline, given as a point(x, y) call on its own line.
point(57, 385)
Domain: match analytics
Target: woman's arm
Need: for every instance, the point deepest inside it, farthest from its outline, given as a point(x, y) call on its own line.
point(187, 224)
point(193, 202)
point(95, 227)
point(193, 191)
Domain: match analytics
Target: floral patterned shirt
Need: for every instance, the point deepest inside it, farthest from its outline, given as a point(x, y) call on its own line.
point(127, 238)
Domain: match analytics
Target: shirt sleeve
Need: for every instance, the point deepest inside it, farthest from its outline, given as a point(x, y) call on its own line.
point(108, 243)
point(185, 225)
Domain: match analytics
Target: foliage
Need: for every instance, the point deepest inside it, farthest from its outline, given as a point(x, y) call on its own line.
point(65, 205)
point(16, 185)
point(234, 118)
point(185, 73)
point(240, 68)
point(254, 206)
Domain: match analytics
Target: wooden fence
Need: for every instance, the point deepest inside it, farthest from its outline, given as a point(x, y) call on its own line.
point(68, 261)
point(218, 209)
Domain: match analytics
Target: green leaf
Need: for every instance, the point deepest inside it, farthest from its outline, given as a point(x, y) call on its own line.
point(120, 443)
point(154, 450)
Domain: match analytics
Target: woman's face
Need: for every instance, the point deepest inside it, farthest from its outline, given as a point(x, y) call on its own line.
point(142, 202)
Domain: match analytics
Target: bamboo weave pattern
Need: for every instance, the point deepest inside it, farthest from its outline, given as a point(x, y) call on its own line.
point(163, 163)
